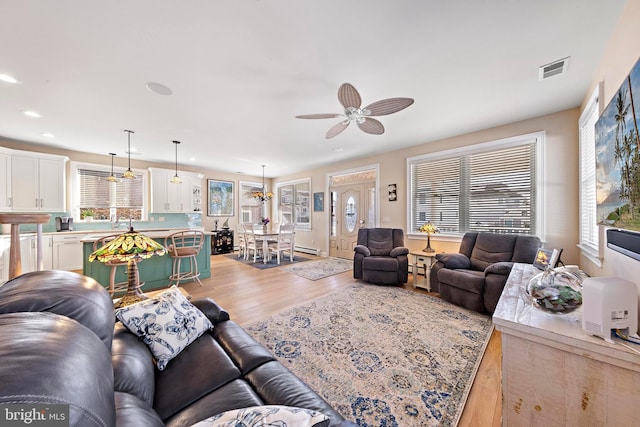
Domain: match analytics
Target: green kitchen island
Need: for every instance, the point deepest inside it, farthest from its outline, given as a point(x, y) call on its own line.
point(154, 271)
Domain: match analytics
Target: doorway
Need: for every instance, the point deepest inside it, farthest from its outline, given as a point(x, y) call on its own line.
point(353, 206)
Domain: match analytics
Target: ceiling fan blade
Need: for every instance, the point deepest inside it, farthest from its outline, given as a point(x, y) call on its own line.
point(372, 126)
point(388, 106)
point(349, 96)
point(335, 130)
point(319, 116)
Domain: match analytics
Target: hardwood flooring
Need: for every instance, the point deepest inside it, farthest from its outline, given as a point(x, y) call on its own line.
point(249, 295)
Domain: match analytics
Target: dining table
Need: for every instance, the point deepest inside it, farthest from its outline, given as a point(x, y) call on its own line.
point(264, 235)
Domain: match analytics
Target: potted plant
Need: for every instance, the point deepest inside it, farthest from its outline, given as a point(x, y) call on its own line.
point(87, 214)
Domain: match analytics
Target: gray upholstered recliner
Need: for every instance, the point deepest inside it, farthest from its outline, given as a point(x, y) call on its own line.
point(475, 277)
point(380, 256)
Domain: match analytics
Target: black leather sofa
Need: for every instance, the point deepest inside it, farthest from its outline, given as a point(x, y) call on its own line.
point(59, 344)
point(475, 277)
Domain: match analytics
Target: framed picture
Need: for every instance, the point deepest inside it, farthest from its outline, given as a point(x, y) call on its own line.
point(220, 198)
point(546, 258)
point(392, 189)
point(318, 202)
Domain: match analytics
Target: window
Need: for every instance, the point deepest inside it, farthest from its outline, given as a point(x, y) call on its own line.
point(589, 241)
point(488, 187)
point(294, 203)
point(122, 199)
point(251, 210)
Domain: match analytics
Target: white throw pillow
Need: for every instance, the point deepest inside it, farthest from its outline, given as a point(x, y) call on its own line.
point(167, 324)
point(269, 415)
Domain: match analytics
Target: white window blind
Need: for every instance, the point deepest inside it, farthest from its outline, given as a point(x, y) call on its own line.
point(589, 241)
point(489, 189)
point(124, 198)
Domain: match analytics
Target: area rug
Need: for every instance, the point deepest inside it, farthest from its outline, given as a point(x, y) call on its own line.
point(322, 268)
point(271, 264)
point(382, 356)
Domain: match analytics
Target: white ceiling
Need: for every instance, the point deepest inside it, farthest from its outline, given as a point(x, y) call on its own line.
point(241, 70)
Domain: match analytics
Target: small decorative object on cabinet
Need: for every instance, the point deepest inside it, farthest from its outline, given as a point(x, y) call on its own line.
point(221, 242)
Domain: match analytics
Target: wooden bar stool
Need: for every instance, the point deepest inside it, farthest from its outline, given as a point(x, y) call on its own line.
point(15, 219)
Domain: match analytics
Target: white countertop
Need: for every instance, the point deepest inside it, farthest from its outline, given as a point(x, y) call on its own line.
point(153, 233)
point(516, 316)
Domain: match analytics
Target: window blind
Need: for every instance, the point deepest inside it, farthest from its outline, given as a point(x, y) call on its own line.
point(97, 192)
point(493, 190)
point(589, 240)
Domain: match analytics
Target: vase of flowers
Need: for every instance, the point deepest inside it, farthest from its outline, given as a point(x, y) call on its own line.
point(265, 222)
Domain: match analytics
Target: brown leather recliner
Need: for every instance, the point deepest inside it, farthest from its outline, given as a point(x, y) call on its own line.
point(380, 256)
point(475, 277)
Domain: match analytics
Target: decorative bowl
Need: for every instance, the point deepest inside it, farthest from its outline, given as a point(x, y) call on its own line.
point(557, 292)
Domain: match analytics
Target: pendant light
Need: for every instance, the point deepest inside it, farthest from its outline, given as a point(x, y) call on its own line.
point(128, 174)
point(263, 195)
point(112, 177)
point(176, 179)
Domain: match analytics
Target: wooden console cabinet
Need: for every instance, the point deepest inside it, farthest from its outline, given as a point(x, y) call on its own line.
point(221, 242)
point(554, 373)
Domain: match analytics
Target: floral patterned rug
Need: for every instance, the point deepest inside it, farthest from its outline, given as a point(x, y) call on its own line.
point(322, 268)
point(382, 356)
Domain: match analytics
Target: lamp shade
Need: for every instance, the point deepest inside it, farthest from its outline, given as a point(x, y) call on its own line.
point(428, 228)
point(129, 245)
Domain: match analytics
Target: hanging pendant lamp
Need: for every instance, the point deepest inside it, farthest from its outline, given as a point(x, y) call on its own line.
point(112, 177)
point(176, 179)
point(128, 174)
point(263, 195)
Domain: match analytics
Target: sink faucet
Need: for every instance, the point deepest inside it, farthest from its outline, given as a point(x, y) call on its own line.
point(115, 222)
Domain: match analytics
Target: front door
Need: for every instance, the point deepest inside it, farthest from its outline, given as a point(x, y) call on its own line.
point(354, 210)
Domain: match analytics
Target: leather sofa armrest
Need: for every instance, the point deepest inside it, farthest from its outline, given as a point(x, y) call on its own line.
point(213, 311)
point(400, 250)
point(503, 268)
point(361, 249)
point(454, 261)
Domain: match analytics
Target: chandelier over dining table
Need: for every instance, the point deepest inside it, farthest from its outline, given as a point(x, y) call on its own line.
point(263, 195)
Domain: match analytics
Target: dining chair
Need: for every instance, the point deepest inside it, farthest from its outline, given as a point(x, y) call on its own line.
point(284, 242)
point(241, 241)
point(252, 244)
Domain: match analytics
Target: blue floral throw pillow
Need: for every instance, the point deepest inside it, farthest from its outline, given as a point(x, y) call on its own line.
point(267, 416)
point(167, 324)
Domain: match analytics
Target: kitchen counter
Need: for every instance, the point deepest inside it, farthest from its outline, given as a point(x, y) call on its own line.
point(154, 271)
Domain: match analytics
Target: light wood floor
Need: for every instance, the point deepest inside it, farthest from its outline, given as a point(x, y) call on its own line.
point(249, 295)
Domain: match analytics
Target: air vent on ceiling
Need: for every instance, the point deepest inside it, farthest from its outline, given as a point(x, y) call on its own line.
point(553, 69)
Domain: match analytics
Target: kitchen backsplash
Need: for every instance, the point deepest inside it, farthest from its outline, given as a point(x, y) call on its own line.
point(165, 220)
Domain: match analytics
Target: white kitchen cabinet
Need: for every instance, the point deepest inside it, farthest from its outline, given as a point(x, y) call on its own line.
point(37, 182)
point(67, 251)
point(167, 197)
point(5, 181)
point(27, 254)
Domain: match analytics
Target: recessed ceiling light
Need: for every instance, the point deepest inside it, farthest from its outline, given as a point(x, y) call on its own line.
point(158, 88)
point(31, 114)
point(48, 135)
point(338, 150)
point(7, 78)
point(192, 159)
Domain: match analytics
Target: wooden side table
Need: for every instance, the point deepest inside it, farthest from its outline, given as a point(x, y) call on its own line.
point(427, 260)
point(15, 219)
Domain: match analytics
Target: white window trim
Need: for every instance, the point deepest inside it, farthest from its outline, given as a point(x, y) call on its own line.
point(591, 252)
point(75, 185)
point(276, 201)
point(478, 148)
point(249, 184)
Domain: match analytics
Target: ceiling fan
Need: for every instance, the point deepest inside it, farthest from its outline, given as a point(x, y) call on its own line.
point(351, 101)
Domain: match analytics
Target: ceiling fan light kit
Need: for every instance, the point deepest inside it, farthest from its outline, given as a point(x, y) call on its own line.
point(351, 101)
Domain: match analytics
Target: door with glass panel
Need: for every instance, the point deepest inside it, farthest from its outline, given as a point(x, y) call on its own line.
point(353, 208)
